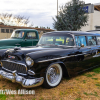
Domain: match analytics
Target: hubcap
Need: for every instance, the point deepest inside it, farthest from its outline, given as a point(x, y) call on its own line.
point(53, 74)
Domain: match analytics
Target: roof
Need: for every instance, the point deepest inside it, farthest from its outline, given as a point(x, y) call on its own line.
point(21, 27)
point(72, 32)
point(97, 6)
point(26, 29)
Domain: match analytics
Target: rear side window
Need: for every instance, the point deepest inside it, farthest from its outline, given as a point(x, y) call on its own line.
point(98, 40)
point(80, 40)
point(91, 40)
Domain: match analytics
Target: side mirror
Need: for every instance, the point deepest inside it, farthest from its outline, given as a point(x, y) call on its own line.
point(82, 45)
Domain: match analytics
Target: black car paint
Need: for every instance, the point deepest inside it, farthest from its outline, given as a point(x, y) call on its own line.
point(73, 59)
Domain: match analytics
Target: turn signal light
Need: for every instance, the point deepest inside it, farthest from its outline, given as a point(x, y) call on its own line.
point(1, 64)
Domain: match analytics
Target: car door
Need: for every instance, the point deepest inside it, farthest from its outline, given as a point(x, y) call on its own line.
point(83, 54)
point(93, 43)
point(31, 39)
point(98, 44)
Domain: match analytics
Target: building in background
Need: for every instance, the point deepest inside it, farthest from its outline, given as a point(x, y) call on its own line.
point(6, 31)
point(94, 19)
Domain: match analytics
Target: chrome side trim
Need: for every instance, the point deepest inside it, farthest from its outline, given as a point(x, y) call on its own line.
point(60, 58)
point(17, 44)
point(30, 72)
point(53, 59)
point(28, 83)
point(81, 54)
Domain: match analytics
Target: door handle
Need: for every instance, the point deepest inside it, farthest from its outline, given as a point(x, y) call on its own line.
point(17, 44)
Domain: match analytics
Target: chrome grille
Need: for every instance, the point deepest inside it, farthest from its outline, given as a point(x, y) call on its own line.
point(12, 66)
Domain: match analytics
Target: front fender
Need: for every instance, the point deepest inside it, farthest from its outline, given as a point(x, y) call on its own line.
point(64, 68)
point(41, 68)
point(7, 47)
point(2, 53)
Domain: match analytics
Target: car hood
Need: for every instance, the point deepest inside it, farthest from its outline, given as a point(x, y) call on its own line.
point(8, 42)
point(50, 53)
point(26, 50)
point(41, 53)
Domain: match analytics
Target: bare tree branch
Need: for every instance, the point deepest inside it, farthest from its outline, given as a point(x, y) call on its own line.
point(16, 20)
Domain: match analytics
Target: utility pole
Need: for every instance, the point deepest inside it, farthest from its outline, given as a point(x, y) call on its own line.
point(57, 7)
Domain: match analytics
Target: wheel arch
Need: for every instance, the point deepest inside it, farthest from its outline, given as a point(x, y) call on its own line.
point(64, 69)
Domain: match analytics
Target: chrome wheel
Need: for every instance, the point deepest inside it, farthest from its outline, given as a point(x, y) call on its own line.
point(54, 75)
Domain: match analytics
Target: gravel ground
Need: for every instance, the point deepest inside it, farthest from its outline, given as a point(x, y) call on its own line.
point(82, 87)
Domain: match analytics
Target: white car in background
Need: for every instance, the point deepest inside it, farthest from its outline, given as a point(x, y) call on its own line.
point(94, 31)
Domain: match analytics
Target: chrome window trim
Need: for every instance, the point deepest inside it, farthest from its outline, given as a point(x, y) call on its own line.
point(74, 39)
point(64, 44)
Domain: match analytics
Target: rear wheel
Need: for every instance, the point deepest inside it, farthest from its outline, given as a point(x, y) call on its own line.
point(53, 76)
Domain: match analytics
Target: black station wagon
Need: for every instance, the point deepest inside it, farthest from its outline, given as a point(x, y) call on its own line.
point(57, 54)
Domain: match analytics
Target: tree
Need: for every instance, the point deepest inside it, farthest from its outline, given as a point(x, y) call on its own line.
point(71, 16)
point(14, 20)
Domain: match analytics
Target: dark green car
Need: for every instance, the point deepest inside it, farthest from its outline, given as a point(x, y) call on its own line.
point(20, 37)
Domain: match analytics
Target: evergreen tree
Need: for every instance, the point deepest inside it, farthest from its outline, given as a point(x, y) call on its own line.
point(71, 16)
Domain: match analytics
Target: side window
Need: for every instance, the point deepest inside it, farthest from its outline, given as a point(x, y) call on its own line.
point(69, 41)
point(31, 35)
point(98, 40)
point(80, 40)
point(91, 40)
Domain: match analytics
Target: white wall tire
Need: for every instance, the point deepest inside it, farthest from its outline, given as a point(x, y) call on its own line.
point(53, 76)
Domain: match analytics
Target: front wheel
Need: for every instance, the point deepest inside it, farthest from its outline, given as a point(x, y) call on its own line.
point(53, 76)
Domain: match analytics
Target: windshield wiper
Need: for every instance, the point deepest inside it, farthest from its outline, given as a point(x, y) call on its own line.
point(40, 44)
point(47, 45)
point(53, 45)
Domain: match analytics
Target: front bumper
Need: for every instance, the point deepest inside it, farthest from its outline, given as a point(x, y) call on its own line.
point(28, 83)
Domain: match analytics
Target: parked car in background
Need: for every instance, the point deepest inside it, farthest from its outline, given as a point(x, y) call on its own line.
point(20, 37)
point(94, 31)
point(57, 54)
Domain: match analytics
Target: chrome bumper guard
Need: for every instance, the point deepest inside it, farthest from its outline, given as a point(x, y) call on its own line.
point(28, 83)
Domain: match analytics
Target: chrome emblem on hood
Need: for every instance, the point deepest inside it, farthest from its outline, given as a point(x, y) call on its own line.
point(11, 57)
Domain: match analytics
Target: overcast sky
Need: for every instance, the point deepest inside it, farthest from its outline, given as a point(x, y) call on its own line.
point(39, 11)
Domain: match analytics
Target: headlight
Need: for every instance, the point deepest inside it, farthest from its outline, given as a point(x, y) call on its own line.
point(29, 61)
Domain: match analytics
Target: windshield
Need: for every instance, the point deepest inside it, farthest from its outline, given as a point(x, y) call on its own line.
point(56, 40)
point(17, 34)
